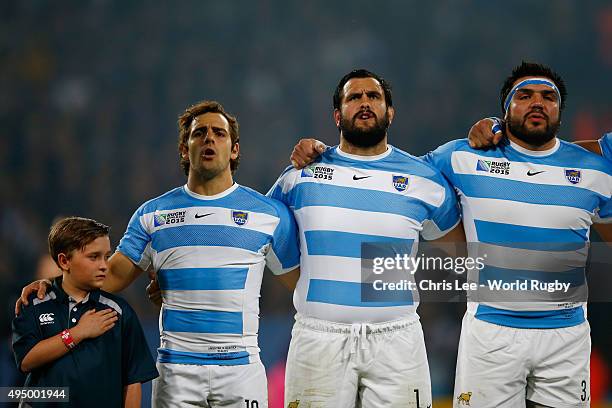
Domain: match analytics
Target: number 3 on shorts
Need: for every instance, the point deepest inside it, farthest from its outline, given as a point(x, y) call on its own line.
point(583, 395)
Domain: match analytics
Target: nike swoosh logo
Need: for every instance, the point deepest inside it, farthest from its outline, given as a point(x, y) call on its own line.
point(530, 173)
point(203, 215)
point(360, 178)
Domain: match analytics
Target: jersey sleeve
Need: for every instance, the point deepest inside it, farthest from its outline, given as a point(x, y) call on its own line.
point(26, 333)
point(282, 190)
point(137, 364)
point(606, 146)
point(135, 243)
point(445, 217)
point(284, 253)
point(604, 214)
point(441, 159)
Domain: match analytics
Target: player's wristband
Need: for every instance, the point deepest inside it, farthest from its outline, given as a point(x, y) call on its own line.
point(496, 124)
point(67, 339)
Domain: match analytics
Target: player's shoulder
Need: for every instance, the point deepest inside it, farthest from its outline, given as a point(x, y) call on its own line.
point(456, 145)
point(414, 165)
point(260, 202)
point(290, 174)
point(174, 197)
point(583, 158)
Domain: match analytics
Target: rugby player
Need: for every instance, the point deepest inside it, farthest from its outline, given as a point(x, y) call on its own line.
point(346, 351)
point(523, 202)
point(208, 241)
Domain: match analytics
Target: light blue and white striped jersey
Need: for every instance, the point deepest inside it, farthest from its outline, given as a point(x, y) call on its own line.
point(531, 213)
point(342, 201)
point(606, 145)
point(209, 253)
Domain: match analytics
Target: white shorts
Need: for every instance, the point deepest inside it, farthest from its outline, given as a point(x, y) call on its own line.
point(499, 366)
point(186, 385)
point(360, 365)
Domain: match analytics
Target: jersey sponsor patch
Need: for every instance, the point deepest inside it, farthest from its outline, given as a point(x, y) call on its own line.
point(174, 217)
point(493, 166)
point(318, 172)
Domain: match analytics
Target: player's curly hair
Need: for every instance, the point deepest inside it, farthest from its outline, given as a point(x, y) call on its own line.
point(533, 70)
point(361, 73)
point(184, 126)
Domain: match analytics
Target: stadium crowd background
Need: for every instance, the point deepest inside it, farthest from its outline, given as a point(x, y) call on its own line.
point(91, 90)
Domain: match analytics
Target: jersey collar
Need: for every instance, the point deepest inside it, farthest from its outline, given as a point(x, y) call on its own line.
point(536, 153)
point(56, 286)
point(364, 158)
point(211, 197)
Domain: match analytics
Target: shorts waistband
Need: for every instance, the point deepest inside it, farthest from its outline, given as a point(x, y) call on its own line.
point(348, 328)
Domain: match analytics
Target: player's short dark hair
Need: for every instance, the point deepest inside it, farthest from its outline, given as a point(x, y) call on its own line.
point(533, 69)
point(74, 233)
point(362, 73)
point(200, 108)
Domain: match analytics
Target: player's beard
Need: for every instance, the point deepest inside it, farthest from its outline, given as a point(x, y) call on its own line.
point(518, 127)
point(364, 137)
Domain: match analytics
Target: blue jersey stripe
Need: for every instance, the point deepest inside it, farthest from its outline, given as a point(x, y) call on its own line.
point(202, 278)
point(318, 194)
point(536, 238)
point(202, 321)
point(606, 145)
point(575, 277)
point(208, 235)
point(548, 319)
point(132, 249)
point(347, 244)
point(511, 190)
point(351, 293)
point(186, 357)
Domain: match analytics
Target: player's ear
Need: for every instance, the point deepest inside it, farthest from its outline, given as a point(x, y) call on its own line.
point(337, 117)
point(235, 151)
point(390, 113)
point(184, 151)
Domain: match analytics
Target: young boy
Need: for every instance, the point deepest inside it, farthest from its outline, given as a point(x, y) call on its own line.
point(79, 336)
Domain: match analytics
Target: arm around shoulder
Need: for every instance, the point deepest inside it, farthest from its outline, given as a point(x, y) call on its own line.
point(121, 273)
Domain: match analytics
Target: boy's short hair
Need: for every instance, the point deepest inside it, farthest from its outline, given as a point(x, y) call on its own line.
point(72, 233)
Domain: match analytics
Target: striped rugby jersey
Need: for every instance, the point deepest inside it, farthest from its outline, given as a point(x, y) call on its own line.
point(341, 201)
point(531, 213)
point(209, 253)
point(606, 145)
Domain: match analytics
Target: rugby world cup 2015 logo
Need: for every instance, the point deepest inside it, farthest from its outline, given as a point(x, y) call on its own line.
point(159, 220)
point(174, 217)
point(573, 176)
point(240, 217)
point(308, 171)
point(400, 183)
point(483, 165)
